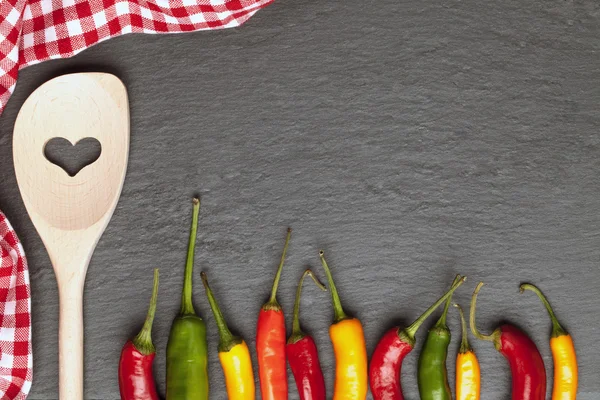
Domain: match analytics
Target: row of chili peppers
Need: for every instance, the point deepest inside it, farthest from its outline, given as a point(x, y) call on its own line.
point(187, 376)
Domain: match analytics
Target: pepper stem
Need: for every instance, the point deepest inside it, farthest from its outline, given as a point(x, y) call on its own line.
point(410, 332)
point(557, 329)
point(297, 333)
point(476, 333)
point(465, 347)
point(441, 323)
point(143, 340)
point(187, 308)
point(272, 304)
point(226, 339)
point(339, 314)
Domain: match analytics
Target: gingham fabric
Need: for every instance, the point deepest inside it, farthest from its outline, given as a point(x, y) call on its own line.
point(16, 361)
point(32, 31)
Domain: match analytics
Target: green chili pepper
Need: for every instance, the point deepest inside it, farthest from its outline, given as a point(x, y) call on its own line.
point(432, 372)
point(187, 349)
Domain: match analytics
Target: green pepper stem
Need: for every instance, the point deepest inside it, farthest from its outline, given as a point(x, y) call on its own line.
point(557, 329)
point(490, 338)
point(143, 340)
point(272, 304)
point(187, 308)
point(411, 331)
point(297, 332)
point(465, 347)
point(339, 314)
point(441, 323)
point(226, 339)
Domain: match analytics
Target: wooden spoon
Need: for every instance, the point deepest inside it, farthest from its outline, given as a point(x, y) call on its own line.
point(71, 213)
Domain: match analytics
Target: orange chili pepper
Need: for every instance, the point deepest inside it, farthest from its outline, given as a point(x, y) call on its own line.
point(270, 342)
point(563, 353)
point(468, 374)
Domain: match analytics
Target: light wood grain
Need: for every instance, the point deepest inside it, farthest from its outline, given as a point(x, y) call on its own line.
point(71, 213)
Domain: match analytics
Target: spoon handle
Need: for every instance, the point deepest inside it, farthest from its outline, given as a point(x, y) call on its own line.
point(70, 343)
point(70, 267)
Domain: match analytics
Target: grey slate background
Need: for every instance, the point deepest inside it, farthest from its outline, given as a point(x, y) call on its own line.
point(411, 140)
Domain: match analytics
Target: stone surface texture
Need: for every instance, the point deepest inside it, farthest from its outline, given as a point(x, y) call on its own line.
point(411, 140)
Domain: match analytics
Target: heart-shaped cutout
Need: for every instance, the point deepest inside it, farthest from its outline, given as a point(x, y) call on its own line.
point(72, 157)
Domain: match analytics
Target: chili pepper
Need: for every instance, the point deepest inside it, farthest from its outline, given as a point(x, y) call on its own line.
point(468, 375)
point(187, 348)
point(394, 346)
point(302, 353)
point(136, 381)
point(526, 364)
point(233, 354)
point(563, 353)
point(270, 342)
point(432, 372)
point(348, 341)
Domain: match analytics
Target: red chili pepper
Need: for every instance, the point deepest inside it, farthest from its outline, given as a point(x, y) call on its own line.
point(302, 353)
point(136, 381)
point(270, 342)
point(394, 346)
point(523, 356)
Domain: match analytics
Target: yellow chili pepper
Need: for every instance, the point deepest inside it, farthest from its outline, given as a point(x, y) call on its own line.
point(348, 341)
point(468, 375)
point(563, 353)
point(565, 368)
point(233, 354)
point(237, 367)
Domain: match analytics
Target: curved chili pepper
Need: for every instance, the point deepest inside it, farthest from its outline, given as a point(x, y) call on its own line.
point(394, 346)
point(187, 348)
point(563, 353)
point(302, 353)
point(432, 372)
point(270, 342)
point(468, 374)
point(233, 354)
point(526, 363)
point(348, 341)
point(136, 381)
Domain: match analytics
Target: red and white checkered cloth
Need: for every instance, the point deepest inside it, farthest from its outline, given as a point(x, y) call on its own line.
point(32, 31)
point(16, 361)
